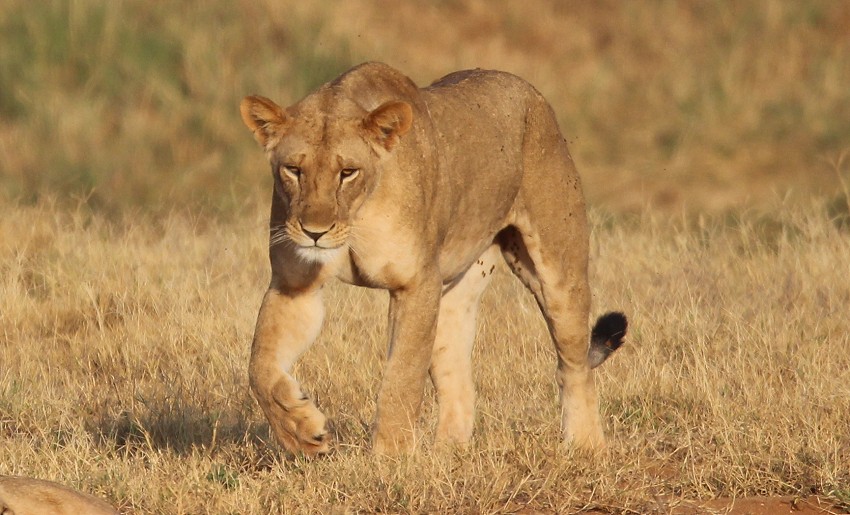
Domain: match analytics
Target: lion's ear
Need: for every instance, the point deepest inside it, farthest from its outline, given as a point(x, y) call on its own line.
point(389, 122)
point(265, 118)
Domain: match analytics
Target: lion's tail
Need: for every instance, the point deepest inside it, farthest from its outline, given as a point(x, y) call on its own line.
point(606, 337)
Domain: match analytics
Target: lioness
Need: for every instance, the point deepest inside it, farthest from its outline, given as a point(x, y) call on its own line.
point(418, 191)
point(26, 496)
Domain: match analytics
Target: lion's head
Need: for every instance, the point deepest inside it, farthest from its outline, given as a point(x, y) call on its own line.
point(325, 154)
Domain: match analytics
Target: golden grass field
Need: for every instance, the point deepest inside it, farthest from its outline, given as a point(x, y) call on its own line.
point(712, 139)
point(125, 348)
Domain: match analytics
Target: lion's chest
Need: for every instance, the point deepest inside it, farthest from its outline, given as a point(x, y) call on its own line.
point(381, 255)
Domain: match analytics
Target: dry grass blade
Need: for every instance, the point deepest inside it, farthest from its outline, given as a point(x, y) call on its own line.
point(124, 348)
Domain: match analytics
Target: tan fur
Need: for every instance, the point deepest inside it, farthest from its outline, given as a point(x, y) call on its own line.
point(25, 496)
point(385, 185)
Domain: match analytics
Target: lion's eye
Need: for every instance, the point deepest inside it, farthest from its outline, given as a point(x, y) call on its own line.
point(346, 174)
point(292, 171)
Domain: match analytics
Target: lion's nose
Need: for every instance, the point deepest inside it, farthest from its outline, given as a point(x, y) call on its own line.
point(315, 234)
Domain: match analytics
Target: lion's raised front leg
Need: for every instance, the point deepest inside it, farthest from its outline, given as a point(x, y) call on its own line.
point(286, 327)
point(413, 321)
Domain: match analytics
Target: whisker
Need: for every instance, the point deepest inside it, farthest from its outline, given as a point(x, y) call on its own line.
point(354, 252)
point(280, 237)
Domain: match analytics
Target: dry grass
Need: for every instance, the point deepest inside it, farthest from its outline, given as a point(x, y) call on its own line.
point(124, 350)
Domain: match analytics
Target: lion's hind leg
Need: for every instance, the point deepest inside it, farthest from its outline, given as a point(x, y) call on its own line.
point(551, 241)
point(556, 272)
point(451, 360)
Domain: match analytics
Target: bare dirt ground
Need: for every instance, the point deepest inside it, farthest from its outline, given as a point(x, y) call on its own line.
point(761, 506)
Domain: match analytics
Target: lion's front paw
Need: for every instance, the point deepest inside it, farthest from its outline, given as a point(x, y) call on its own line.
point(591, 444)
point(301, 428)
point(393, 443)
point(589, 438)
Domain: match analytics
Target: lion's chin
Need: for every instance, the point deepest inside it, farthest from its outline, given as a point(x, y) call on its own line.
point(319, 255)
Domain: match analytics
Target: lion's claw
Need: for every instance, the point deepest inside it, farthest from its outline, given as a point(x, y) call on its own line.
point(300, 427)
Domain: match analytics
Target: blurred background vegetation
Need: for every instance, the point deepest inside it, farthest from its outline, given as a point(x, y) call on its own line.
point(701, 106)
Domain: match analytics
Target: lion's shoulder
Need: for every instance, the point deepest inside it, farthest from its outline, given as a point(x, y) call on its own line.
point(372, 83)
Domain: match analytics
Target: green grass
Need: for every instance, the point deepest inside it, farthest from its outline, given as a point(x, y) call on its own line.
point(710, 106)
point(131, 105)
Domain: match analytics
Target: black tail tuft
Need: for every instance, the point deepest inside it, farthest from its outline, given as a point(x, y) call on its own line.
point(606, 337)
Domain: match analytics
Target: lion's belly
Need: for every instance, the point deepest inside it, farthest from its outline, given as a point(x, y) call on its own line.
point(483, 204)
point(465, 244)
point(454, 262)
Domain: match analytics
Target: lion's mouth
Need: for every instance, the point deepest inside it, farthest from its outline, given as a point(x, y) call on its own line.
point(320, 246)
point(317, 247)
point(310, 246)
point(317, 242)
point(318, 254)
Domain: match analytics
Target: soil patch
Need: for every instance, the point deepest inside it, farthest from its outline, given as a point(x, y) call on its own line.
point(761, 506)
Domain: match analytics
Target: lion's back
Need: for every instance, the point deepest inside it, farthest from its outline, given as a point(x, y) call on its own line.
point(481, 97)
